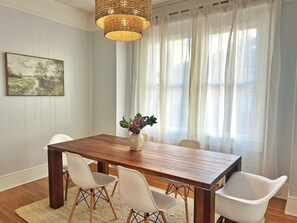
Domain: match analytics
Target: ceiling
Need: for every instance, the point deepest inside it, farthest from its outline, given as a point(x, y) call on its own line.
point(89, 5)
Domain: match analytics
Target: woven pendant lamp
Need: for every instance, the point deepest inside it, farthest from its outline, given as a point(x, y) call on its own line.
point(123, 20)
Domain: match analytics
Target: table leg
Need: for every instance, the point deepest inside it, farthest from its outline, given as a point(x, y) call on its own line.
point(102, 167)
point(55, 178)
point(237, 167)
point(204, 205)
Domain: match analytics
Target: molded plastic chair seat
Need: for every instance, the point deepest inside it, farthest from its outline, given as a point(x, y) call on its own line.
point(162, 201)
point(175, 182)
point(102, 179)
point(145, 139)
point(136, 193)
point(86, 180)
point(176, 186)
point(59, 138)
point(245, 196)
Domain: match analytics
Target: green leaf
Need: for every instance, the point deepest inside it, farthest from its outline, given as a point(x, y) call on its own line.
point(124, 123)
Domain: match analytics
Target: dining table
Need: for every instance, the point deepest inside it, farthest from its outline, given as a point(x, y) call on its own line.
point(200, 168)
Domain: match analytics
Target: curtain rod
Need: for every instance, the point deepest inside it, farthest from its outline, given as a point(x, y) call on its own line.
point(168, 4)
point(187, 10)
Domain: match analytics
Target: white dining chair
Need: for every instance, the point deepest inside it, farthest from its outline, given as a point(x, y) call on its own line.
point(136, 193)
point(88, 182)
point(178, 187)
point(145, 139)
point(59, 138)
point(245, 197)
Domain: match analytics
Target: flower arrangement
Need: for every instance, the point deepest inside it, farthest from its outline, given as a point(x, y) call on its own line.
point(139, 122)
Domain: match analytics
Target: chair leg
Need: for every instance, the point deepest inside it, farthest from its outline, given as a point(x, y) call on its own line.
point(146, 218)
point(67, 179)
point(91, 205)
point(168, 188)
point(226, 220)
point(163, 216)
point(114, 188)
point(175, 193)
point(66, 185)
point(74, 205)
point(129, 216)
point(110, 203)
point(186, 192)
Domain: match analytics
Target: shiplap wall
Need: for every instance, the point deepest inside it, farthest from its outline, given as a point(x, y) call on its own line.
point(288, 122)
point(27, 123)
point(104, 103)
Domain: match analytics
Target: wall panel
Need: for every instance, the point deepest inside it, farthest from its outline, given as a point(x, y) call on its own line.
point(27, 123)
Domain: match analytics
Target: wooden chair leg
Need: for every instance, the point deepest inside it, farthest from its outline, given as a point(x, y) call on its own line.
point(66, 185)
point(110, 203)
point(175, 192)
point(91, 205)
point(94, 207)
point(163, 216)
point(74, 205)
point(129, 216)
point(114, 188)
point(146, 218)
point(229, 221)
point(168, 188)
point(186, 192)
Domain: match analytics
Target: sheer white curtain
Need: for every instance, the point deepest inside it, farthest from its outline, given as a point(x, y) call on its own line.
point(161, 73)
point(213, 76)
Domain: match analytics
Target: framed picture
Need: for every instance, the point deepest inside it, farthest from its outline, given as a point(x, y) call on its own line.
point(33, 76)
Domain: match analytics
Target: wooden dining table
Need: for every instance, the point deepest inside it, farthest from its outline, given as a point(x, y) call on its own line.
point(200, 168)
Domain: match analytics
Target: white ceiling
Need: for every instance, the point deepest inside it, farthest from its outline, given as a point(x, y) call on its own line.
point(89, 5)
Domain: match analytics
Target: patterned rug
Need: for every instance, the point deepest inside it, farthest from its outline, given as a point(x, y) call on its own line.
point(40, 212)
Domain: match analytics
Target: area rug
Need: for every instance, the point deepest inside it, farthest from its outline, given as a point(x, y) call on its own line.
point(40, 211)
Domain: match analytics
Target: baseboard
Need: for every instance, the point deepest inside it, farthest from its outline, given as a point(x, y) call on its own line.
point(291, 206)
point(21, 177)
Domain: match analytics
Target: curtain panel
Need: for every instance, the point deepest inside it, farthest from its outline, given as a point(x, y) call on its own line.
point(212, 74)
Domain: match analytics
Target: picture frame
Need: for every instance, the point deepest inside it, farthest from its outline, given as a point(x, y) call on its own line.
point(33, 76)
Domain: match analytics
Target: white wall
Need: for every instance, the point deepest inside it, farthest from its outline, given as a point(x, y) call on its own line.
point(287, 154)
point(95, 93)
point(123, 87)
point(27, 123)
point(287, 80)
point(104, 84)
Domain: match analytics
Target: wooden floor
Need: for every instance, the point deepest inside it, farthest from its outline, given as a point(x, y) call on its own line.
point(19, 196)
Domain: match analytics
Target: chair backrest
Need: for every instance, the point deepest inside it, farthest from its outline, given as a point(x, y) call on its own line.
point(145, 137)
point(253, 187)
point(80, 172)
point(135, 191)
point(245, 196)
point(189, 143)
point(57, 139)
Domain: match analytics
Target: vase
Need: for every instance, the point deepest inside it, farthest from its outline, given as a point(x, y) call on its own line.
point(136, 141)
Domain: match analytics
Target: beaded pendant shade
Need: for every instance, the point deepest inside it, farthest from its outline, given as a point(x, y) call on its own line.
point(123, 20)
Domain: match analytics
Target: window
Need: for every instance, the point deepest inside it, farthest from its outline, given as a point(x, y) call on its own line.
point(205, 78)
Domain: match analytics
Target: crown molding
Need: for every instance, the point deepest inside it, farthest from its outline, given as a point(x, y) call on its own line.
point(285, 1)
point(72, 17)
point(93, 26)
point(52, 10)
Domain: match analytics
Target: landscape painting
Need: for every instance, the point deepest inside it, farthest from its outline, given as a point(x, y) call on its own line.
point(34, 76)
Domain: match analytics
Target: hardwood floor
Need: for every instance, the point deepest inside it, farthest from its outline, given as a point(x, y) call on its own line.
point(19, 196)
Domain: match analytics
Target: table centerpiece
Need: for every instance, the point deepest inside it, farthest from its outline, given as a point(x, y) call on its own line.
point(135, 126)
